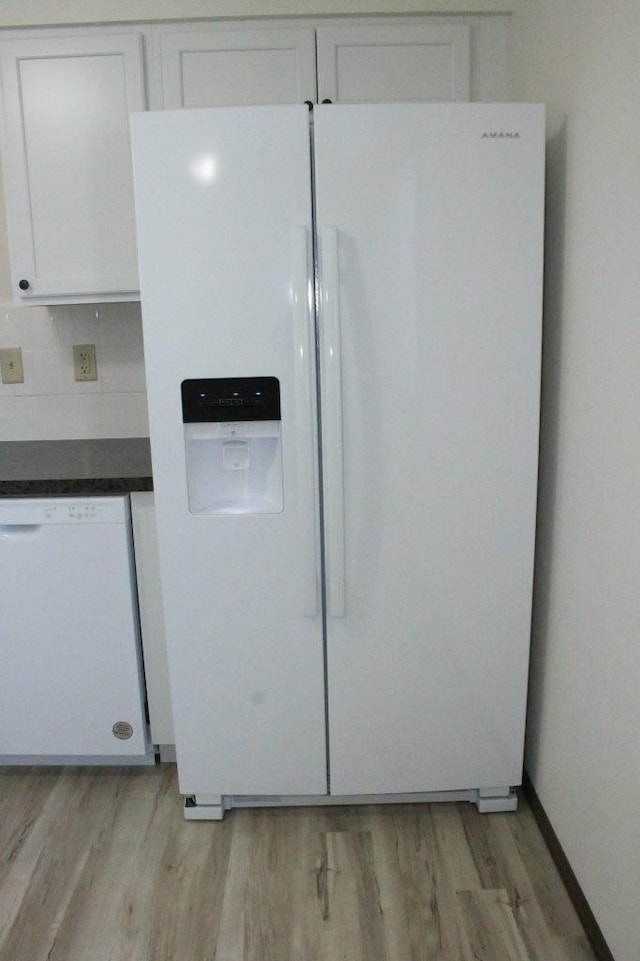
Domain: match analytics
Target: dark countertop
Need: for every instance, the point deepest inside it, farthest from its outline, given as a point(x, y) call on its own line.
point(62, 467)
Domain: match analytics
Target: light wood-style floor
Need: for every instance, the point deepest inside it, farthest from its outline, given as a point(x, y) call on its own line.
point(99, 865)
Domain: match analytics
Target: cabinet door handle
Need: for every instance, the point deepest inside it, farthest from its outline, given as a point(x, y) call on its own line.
point(24, 284)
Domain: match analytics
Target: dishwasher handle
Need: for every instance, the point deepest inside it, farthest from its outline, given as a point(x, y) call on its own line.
point(19, 530)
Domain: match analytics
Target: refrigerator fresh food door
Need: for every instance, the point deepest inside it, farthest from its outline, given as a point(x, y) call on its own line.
point(224, 222)
point(430, 245)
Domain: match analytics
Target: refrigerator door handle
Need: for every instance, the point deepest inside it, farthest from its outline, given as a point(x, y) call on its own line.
point(306, 440)
point(332, 451)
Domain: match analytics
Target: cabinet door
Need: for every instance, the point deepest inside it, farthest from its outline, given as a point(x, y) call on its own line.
point(211, 69)
point(394, 63)
point(67, 165)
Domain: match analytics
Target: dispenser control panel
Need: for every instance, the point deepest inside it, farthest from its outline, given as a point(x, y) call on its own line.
point(230, 399)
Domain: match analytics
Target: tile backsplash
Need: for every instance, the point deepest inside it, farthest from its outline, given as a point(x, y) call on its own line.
point(50, 404)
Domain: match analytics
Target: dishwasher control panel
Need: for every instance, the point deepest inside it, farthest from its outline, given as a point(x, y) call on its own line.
point(35, 511)
point(84, 511)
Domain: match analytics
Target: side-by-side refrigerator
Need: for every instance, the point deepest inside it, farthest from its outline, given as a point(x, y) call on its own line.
point(342, 318)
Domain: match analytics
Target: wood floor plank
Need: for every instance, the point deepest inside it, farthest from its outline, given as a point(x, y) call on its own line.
point(527, 910)
point(309, 905)
point(38, 889)
point(500, 866)
point(268, 893)
point(502, 862)
point(488, 926)
point(188, 890)
point(461, 869)
point(101, 866)
point(353, 919)
point(454, 871)
point(405, 849)
point(24, 794)
point(115, 872)
point(233, 909)
point(560, 915)
point(271, 907)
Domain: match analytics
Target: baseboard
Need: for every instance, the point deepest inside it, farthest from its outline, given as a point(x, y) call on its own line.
point(575, 892)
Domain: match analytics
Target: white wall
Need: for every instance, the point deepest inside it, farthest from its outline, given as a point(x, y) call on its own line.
point(22, 12)
point(581, 57)
point(50, 405)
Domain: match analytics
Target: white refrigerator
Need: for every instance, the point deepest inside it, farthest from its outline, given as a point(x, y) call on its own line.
point(342, 322)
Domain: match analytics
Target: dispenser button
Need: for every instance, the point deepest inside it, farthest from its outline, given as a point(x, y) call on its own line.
point(236, 455)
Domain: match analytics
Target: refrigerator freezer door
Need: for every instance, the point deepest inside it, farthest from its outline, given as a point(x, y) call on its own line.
point(430, 226)
point(225, 266)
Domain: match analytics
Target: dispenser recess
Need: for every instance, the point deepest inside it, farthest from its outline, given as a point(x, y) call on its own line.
point(233, 445)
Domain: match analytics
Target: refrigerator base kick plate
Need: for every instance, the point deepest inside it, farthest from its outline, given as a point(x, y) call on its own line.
point(212, 807)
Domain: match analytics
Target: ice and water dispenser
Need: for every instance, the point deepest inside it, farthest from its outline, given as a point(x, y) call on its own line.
point(233, 445)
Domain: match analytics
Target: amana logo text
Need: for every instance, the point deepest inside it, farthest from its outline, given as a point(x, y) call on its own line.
point(501, 135)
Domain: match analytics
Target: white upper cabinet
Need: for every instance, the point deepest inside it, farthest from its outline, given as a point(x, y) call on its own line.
point(67, 166)
point(390, 63)
point(68, 94)
point(211, 68)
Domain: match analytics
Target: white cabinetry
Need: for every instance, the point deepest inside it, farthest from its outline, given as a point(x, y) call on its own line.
point(68, 94)
point(211, 68)
point(394, 63)
point(67, 165)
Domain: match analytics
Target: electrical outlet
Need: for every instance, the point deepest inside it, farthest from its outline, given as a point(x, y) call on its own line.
point(11, 365)
point(84, 362)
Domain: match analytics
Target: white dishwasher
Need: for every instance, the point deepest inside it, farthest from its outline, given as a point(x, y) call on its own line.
point(71, 680)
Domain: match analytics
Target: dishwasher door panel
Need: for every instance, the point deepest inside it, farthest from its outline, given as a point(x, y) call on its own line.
point(70, 684)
